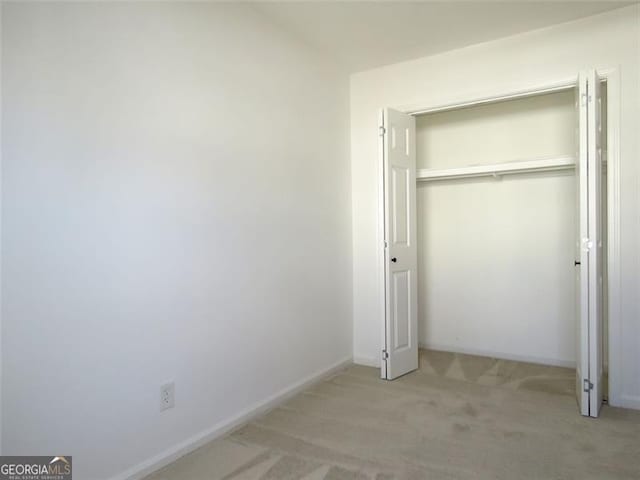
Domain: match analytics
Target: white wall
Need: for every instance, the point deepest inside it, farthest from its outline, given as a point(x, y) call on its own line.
point(495, 257)
point(1, 363)
point(559, 52)
point(171, 212)
point(527, 128)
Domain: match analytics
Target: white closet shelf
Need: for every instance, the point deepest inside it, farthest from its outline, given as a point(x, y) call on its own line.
point(497, 169)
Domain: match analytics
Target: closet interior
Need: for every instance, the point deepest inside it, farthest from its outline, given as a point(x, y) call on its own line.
point(496, 253)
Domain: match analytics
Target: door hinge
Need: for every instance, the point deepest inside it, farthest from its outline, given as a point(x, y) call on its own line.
point(587, 385)
point(382, 130)
point(584, 99)
point(385, 355)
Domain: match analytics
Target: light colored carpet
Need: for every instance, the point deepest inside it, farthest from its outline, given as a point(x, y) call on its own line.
point(458, 417)
point(495, 371)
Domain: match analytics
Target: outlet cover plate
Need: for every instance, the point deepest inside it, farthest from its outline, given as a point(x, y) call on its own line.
point(167, 396)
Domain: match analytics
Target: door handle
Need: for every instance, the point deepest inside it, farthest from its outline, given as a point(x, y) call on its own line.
point(576, 263)
point(394, 259)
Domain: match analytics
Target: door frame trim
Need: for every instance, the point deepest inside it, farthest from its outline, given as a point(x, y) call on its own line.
point(610, 74)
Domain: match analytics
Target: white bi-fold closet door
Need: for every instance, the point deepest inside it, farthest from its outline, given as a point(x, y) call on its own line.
point(400, 354)
point(400, 342)
point(589, 252)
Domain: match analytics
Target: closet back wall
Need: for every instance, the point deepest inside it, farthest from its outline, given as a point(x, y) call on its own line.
point(490, 249)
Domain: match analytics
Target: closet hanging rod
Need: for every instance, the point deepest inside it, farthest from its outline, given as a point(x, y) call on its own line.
point(497, 169)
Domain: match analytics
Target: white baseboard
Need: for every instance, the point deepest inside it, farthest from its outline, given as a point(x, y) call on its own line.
point(506, 356)
point(366, 361)
point(156, 462)
point(626, 401)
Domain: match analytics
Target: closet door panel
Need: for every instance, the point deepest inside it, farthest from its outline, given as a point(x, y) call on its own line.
point(582, 252)
point(400, 189)
point(401, 310)
point(400, 354)
point(589, 261)
point(596, 311)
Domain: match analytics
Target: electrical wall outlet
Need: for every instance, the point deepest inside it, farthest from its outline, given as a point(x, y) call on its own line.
point(167, 396)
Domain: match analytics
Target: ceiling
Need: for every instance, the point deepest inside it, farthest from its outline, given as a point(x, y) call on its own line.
point(363, 35)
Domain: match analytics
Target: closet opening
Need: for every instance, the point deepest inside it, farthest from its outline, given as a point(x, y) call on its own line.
point(508, 209)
